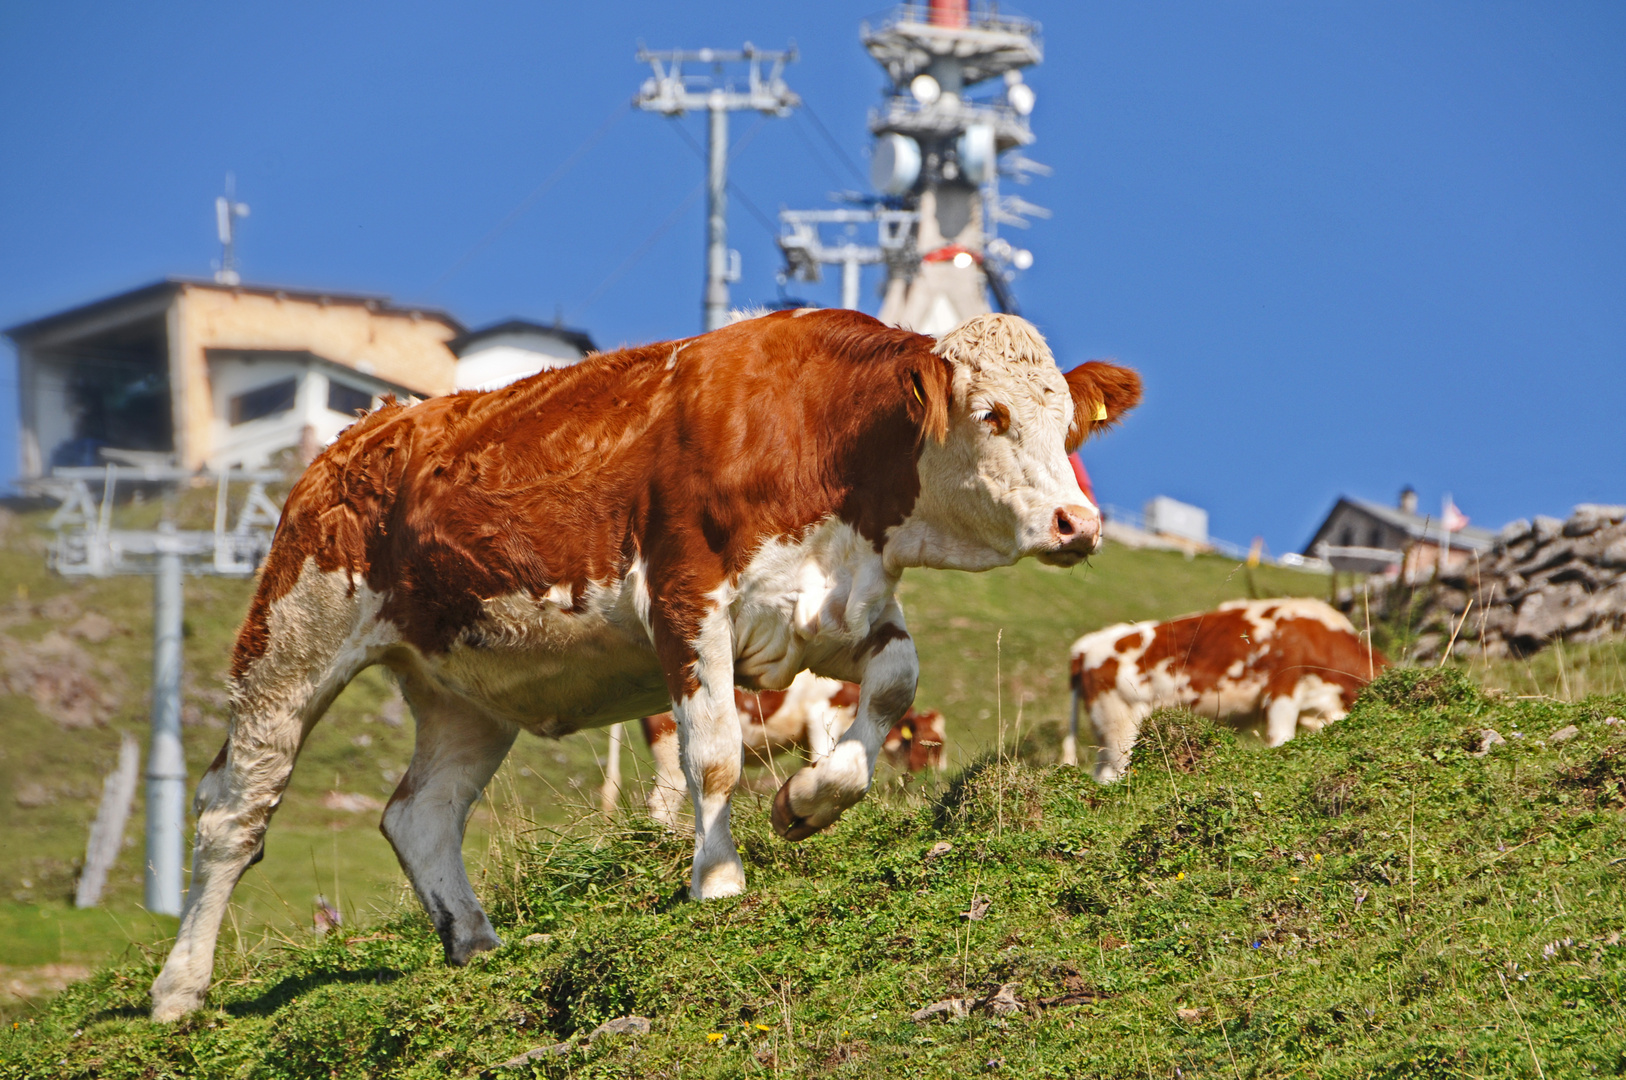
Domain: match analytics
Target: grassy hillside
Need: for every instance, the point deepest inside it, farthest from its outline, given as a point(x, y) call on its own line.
point(1016, 621)
point(1374, 901)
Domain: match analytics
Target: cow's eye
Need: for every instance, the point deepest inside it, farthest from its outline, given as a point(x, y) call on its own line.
point(997, 417)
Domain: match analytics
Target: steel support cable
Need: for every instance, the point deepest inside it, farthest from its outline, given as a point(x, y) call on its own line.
point(536, 193)
point(733, 151)
point(834, 145)
point(745, 200)
point(643, 249)
point(813, 152)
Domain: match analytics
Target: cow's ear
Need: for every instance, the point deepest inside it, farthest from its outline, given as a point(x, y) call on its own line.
point(1102, 393)
point(929, 390)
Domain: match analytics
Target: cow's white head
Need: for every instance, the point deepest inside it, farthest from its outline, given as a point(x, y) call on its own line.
point(995, 483)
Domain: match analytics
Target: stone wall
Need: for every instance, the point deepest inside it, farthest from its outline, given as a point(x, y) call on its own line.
point(1544, 581)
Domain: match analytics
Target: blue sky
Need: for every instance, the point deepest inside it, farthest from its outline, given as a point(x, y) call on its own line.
point(1349, 245)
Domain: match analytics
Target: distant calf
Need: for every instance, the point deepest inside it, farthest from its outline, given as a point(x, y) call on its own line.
point(809, 715)
point(1283, 662)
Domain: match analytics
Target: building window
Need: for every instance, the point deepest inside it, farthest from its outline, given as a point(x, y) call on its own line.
point(347, 399)
point(267, 400)
point(1347, 537)
point(1375, 537)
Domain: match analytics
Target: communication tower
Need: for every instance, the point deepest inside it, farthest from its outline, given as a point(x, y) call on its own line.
point(952, 121)
point(227, 211)
point(673, 92)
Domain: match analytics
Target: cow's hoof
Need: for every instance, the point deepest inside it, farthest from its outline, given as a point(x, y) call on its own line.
point(173, 1007)
point(785, 822)
point(459, 954)
point(717, 882)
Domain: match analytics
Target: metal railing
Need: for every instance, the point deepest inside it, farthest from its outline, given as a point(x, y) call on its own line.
point(1221, 547)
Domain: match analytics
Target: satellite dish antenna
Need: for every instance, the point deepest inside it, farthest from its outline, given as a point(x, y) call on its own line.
point(895, 165)
point(978, 153)
point(227, 211)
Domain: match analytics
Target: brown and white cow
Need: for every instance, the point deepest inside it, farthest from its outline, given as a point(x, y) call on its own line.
point(653, 525)
point(808, 716)
point(1283, 663)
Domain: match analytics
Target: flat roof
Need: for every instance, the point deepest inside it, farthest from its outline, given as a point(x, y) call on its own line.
point(380, 304)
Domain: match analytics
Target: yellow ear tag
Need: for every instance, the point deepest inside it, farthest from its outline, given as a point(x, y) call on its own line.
point(1100, 412)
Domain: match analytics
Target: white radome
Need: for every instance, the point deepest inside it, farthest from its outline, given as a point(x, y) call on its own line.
point(978, 152)
point(895, 165)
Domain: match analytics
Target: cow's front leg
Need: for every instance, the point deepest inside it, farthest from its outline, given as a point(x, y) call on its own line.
point(709, 740)
point(1281, 720)
point(888, 670)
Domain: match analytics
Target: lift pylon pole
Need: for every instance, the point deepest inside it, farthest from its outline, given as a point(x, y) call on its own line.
point(166, 760)
point(717, 276)
point(673, 93)
point(87, 545)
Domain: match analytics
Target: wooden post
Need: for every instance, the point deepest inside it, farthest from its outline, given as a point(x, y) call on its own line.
point(107, 831)
point(610, 795)
point(1069, 744)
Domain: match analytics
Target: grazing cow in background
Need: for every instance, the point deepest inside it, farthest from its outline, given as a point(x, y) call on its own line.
point(644, 530)
point(1285, 663)
point(809, 716)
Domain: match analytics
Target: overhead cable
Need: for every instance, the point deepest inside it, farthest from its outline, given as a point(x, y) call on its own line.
point(536, 193)
point(643, 249)
point(834, 145)
point(745, 200)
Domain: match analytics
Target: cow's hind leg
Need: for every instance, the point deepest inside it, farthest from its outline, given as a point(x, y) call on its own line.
point(458, 749)
point(670, 790)
point(315, 648)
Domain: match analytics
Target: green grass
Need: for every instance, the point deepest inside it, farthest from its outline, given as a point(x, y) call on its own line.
point(842, 937)
point(1373, 901)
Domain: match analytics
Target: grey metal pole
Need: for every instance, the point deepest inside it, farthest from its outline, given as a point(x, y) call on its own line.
point(166, 763)
point(716, 302)
point(849, 284)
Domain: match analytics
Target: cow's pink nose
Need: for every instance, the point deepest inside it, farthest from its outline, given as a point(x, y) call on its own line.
point(1077, 528)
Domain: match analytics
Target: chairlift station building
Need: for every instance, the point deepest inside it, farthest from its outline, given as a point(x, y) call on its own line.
point(213, 376)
